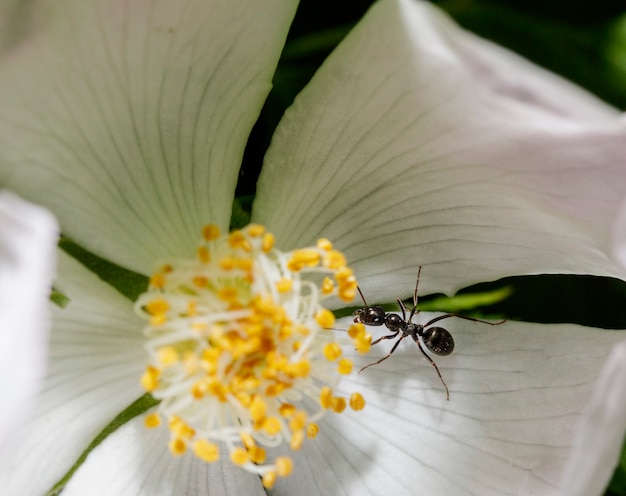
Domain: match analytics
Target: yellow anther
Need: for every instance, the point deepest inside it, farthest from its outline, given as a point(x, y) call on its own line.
point(206, 450)
point(344, 276)
point(247, 440)
point(328, 286)
point(227, 263)
point(218, 390)
point(157, 281)
point(338, 404)
point(210, 232)
point(178, 427)
point(192, 308)
point(177, 446)
point(332, 351)
point(284, 466)
point(334, 259)
point(200, 282)
point(257, 454)
point(268, 242)
point(272, 425)
point(239, 456)
point(325, 318)
point(363, 344)
point(200, 328)
point(347, 294)
point(275, 389)
point(306, 257)
point(356, 331)
point(203, 254)
point(258, 408)
point(199, 389)
point(264, 306)
point(269, 479)
point(237, 239)
point(158, 320)
point(228, 294)
point(324, 244)
point(312, 430)
point(326, 395)
point(256, 230)
point(157, 306)
point(152, 420)
point(344, 366)
point(297, 438)
point(167, 355)
point(357, 402)
point(245, 264)
point(150, 378)
point(286, 409)
point(285, 332)
point(299, 369)
point(302, 330)
point(284, 285)
point(298, 421)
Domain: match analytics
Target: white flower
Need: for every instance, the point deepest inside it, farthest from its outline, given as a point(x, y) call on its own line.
point(28, 236)
point(415, 143)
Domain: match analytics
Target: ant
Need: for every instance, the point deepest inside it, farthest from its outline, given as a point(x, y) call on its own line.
point(437, 339)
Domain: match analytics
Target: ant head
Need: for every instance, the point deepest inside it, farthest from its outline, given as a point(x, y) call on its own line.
point(373, 316)
point(438, 340)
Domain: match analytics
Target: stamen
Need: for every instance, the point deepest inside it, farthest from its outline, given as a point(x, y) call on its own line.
point(238, 342)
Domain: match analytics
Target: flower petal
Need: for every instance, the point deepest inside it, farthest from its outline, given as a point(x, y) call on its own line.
point(401, 152)
point(28, 236)
point(134, 461)
point(129, 120)
point(516, 394)
point(599, 438)
point(96, 359)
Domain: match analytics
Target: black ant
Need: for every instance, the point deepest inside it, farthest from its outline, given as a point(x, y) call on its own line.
point(437, 339)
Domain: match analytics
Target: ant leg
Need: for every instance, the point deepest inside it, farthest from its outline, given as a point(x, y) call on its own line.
point(388, 355)
point(448, 315)
point(388, 336)
point(432, 362)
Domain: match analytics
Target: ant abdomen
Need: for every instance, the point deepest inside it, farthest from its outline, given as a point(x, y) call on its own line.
point(438, 340)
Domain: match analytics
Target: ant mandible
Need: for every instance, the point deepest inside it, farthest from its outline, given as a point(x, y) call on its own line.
point(437, 339)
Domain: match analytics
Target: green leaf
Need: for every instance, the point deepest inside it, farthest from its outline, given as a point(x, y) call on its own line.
point(58, 298)
point(127, 282)
point(465, 302)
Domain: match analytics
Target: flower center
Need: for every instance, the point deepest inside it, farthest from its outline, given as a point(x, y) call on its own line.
point(239, 347)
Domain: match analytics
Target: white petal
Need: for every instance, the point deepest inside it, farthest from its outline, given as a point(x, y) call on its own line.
point(400, 153)
point(599, 438)
point(135, 462)
point(28, 237)
point(129, 120)
point(619, 236)
point(516, 394)
point(96, 359)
